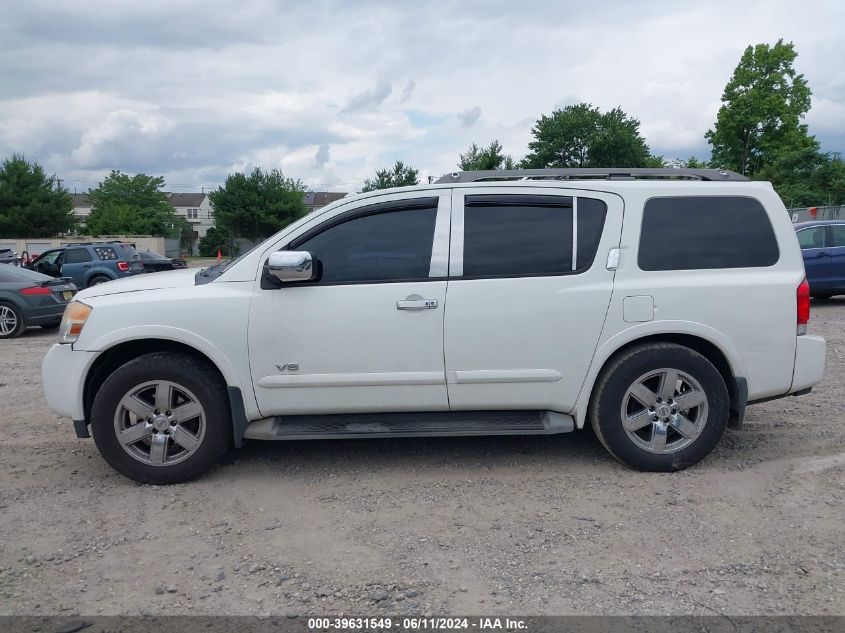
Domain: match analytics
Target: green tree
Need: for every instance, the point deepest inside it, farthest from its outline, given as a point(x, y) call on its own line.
point(400, 175)
point(215, 240)
point(763, 106)
point(258, 204)
point(485, 158)
point(582, 136)
point(32, 204)
point(806, 178)
point(124, 204)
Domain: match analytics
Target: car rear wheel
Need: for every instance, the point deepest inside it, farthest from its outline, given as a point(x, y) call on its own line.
point(660, 407)
point(97, 279)
point(12, 323)
point(162, 418)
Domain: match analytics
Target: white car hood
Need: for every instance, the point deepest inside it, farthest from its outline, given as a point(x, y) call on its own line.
point(144, 281)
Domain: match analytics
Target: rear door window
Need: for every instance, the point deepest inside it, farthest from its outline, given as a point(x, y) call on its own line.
point(509, 235)
point(837, 235)
point(706, 232)
point(77, 256)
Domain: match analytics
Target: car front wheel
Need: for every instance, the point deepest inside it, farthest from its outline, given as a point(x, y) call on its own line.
point(162, 418)
point(660, 407)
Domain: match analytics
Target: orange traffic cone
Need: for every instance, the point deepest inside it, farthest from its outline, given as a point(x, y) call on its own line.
point(219, 256)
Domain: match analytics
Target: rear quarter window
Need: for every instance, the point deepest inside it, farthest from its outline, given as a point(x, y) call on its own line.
point(706, 232)
point(106, 253)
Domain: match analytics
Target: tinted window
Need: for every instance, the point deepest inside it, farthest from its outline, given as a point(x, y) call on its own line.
point(506, 235)
point(386, 245)
point(129, 251)
point(105, 252)
point(812, 237)
point(591, 214)
point(699, 232)
point(837, 234)
point(150, 256)
point(77, 256)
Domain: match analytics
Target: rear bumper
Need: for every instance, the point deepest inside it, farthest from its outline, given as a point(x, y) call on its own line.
point(809, 362)
point(63, 374)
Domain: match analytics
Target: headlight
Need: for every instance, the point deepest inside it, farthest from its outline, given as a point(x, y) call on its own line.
point(73, 320)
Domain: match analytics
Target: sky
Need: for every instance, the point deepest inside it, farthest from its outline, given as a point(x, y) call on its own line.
point(329, 92)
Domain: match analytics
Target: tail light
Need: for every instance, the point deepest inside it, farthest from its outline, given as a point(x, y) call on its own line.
point(38, 290)
point(802, 297)
point(123, 266)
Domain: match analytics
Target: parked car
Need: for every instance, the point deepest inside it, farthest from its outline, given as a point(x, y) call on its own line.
point(8, 256)
point(90, 264)
point(153, 262)
point(823, 248)
point(30, 298)
point(626, 298)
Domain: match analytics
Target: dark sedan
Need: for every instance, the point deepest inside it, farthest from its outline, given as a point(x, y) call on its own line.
point(823, 247)
point(30, 298)
point(153, 262)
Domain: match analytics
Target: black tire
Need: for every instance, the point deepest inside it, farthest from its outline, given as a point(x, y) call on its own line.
point(16, 329)
point(195, 375)
point(98, 279)
point(623, 371)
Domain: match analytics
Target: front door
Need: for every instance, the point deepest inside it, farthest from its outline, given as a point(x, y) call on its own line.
point(77, 265)
point(368, 335)
point(528, 292)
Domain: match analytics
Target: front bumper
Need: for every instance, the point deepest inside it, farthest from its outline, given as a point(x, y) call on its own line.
point(63, 374)
point(809, 362)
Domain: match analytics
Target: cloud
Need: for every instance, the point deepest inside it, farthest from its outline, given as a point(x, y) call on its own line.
point(407, 91)
point(193, 90)
point(470, 117)
point(367, 100)
point(322, 156)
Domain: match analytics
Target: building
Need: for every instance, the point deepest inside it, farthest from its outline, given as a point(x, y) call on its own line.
point(194, 207)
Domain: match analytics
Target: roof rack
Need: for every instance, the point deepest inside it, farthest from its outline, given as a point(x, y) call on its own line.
point(646, 173)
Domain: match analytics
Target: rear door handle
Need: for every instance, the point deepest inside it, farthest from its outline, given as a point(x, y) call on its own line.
point(416, 304)
point(821, 255)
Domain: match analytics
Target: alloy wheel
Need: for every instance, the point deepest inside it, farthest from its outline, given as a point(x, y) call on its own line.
point(664, 411)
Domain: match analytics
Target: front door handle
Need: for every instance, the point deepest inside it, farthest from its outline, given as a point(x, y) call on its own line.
point(414, 303)
point(822, 255)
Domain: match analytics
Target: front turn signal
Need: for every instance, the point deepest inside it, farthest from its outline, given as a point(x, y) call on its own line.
point(73, 320)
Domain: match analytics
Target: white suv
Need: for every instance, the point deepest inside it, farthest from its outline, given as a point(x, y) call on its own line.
point(656, 304)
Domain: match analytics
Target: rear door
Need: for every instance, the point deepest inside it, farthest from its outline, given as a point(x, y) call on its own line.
point(837, 256)
point(816, 254)
point(528, 294)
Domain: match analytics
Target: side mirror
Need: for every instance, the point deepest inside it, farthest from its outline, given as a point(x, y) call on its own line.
point(291, 266)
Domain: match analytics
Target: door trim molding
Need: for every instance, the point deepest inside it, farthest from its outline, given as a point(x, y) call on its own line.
point(486, 376)
point(376, 379)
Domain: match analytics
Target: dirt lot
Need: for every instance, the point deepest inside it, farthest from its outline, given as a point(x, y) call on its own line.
point(495, 525)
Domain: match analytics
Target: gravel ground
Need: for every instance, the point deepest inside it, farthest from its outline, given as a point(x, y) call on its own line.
point(534, 525)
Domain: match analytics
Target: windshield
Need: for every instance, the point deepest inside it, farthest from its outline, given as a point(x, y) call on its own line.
point(213, 272)
point(151, 255)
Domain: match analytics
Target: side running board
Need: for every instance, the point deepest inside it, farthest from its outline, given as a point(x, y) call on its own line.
point(429, 424)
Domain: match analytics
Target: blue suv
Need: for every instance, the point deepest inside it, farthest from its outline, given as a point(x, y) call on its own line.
point(823, 247)
point(90, 264)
